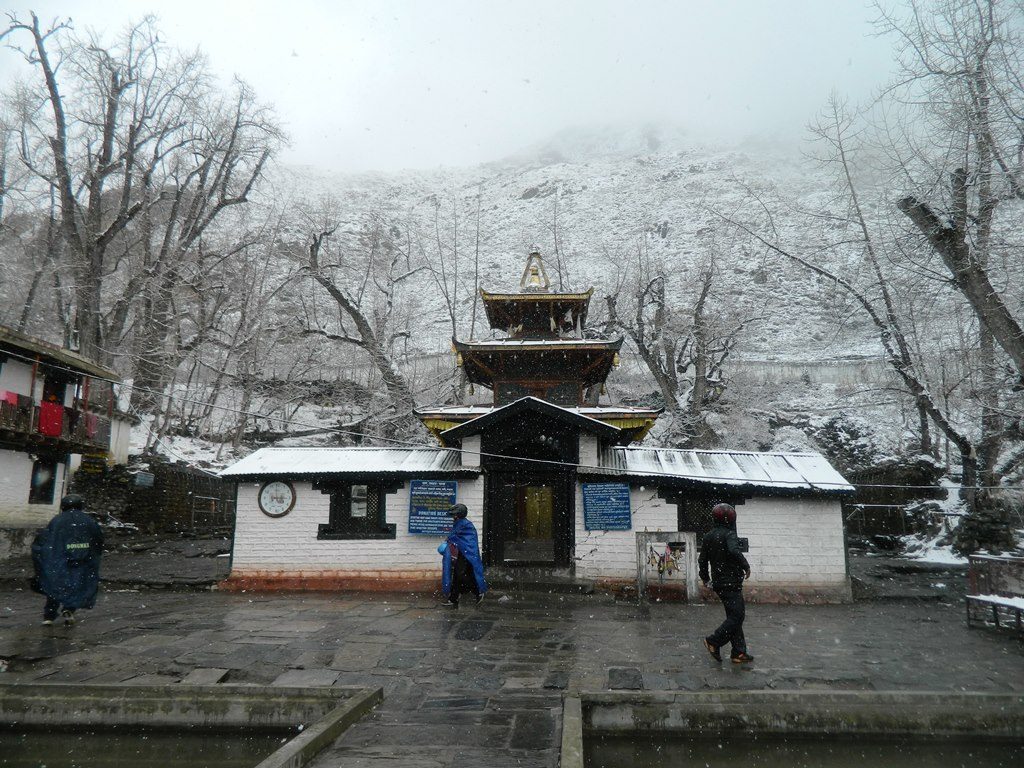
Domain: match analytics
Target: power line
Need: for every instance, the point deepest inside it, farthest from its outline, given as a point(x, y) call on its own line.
point(610, 471)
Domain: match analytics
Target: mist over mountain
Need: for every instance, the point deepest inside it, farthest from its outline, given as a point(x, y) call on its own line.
point(592, 199)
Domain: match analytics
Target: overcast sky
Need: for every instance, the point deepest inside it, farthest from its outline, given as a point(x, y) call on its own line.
point(390, 85)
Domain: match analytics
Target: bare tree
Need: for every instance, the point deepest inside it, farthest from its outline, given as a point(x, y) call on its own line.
point(684, 350)
point(962, 78)
point(894, 351)
point(145, 155)
point(363, 287)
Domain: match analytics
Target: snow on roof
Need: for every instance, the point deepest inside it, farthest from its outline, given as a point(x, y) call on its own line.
point(770, 470)
point(540, 343)
point(599, 409)
point(584, 410)
point(328, 461)
point(54, 354)
point(529, 403)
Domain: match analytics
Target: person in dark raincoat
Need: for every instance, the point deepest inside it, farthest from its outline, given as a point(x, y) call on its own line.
point(462, 568)
point(720, 549)
point(66, 557)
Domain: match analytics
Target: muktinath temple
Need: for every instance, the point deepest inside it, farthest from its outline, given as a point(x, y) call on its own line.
point(556, 482)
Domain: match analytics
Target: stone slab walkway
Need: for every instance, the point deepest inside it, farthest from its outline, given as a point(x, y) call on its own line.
point(486, 683)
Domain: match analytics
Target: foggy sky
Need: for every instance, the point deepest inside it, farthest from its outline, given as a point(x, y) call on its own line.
point(390, 85)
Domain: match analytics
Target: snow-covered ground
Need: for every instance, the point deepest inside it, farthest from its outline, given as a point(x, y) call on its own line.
point(936, 547)
point(193, 451)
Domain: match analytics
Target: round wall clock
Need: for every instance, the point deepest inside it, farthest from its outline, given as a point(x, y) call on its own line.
point(276, 498)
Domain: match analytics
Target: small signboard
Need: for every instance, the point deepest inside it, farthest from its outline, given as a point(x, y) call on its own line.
point(94, 463)
point(606, 507)
point(429, 502)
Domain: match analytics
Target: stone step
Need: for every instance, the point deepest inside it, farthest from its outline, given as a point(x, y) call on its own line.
point(551, 580)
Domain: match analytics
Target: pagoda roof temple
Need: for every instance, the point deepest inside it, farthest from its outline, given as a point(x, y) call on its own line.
point(551, 478)
point(539, 350)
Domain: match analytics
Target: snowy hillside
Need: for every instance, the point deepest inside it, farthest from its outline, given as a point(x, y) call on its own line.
point(604, 195)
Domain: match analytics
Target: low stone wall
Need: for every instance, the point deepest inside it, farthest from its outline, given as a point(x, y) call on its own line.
point(180, 498)
point(326, 712)
point(15, 542)
point(991, 715)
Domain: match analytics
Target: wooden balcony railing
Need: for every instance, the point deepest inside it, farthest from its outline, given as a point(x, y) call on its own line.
point(71, 429)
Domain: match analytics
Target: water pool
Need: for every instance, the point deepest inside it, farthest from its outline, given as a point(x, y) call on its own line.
point(122, 748)
point(621, 751)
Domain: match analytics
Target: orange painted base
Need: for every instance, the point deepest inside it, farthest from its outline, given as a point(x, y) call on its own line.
point(429, 582)
point(789, 595)
point(332, 581)
point(667, 593)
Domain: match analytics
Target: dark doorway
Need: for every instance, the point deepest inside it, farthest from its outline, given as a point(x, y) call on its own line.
point(529, 517)
point(54, 388)
point(529, 507)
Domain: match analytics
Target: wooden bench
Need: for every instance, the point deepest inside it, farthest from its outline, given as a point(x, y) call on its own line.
point(996, 592)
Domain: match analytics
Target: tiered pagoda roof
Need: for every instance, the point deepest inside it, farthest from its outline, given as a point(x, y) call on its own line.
point(543, 354)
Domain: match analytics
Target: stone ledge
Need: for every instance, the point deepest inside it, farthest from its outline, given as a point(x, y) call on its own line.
point(328, 711)
point(852, 712)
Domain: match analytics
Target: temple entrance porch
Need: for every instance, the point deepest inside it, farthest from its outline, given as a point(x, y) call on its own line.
point(528, 517)
point(529, 466)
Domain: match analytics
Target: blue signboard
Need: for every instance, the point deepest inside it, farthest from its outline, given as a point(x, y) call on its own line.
point(429, 502)
point(606, 507)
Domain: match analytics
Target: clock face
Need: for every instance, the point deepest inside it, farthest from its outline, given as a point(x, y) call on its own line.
point(276, 498)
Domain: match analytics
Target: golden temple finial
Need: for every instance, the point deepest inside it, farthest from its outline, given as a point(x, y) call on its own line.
point(535, 277)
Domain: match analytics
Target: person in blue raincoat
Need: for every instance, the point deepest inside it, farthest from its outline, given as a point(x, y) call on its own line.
point(66, 557)
point(462, 568)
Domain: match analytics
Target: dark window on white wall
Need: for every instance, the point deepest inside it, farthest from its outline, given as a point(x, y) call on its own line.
point(357, 512)
point(695, 515)
point(44, 481)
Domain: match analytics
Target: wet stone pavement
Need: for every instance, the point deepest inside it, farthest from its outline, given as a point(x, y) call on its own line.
point(486, 683)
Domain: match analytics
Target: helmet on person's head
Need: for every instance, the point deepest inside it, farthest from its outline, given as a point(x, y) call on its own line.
point(72, 501)
point(458, 511)
point(724, 513)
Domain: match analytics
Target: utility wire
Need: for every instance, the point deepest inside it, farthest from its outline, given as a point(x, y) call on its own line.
point(609, 471)
point(161, 441)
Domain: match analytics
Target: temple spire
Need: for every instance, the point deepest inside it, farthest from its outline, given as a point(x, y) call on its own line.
point(535, 277)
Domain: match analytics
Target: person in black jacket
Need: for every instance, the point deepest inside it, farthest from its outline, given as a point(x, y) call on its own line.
point(66, 557)
point(721, 548)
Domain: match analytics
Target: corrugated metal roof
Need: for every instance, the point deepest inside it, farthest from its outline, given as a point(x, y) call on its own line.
point(766, 470)
point(52, 353)
point(328, 461)
point(787, 471)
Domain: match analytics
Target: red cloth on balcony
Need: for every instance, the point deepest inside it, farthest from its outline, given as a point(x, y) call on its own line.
point(51, 419)
point(11, 398)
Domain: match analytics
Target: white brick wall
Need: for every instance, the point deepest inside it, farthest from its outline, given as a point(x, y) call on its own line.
point(793, 542)
point(15, 484)
point(796, 542)
point(612, 554)
point(588, 450)
point(120, 439)
point(289, 544)
point(470, 456)
point(16, 376)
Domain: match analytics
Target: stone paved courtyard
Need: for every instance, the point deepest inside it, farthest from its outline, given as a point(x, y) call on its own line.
point(485, 683)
